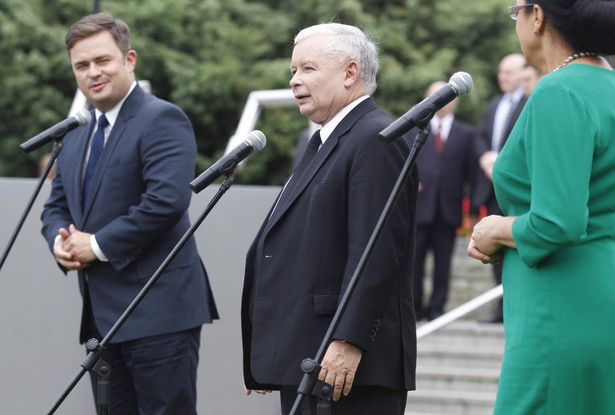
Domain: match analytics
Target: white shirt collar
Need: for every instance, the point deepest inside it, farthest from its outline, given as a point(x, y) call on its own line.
point(115, 111)
point(515, 96)
point(445, 123)
point(327, 129)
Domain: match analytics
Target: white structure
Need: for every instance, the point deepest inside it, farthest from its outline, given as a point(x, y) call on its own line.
point(257, 100)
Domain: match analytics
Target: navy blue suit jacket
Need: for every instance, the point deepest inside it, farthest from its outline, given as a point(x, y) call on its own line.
point(303, 257)
point(443, 175)
point(137, 208)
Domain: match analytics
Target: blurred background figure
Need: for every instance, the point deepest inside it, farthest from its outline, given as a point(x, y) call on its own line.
point(529, 77)
point(446, 166)
point(498, 120)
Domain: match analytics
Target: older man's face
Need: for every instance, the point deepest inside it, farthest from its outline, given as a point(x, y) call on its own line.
point(319, 82)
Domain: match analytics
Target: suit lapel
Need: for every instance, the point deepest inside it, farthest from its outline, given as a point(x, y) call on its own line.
point(126, 112)
point(286, 201)
point(79, 155)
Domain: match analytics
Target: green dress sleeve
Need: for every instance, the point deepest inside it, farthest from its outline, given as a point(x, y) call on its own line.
point(559, 143)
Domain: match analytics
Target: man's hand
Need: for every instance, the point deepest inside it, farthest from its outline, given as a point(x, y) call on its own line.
point(339, 367)
point(486, 161)
point(260, 392)
point(72, 250)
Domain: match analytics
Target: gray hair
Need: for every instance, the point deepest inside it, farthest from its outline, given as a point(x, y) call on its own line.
point(348, 43)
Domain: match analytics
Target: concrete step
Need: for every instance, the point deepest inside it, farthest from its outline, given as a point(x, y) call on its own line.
point(422, 413)
point(458, 370)
point(458, 366)
point(450, 402)
point(460, 355)
point(457, 378)
point(466, 332)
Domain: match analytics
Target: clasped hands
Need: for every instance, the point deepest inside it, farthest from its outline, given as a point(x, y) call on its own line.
point(483, 245)
point(72, 249)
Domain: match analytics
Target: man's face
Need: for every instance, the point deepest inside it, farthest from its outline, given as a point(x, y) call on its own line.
point(102, 73)
point(320, 83)
point(529, 78)
point(509, 74)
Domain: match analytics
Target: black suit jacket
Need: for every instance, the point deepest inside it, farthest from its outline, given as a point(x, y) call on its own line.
point(444, 174)
point(303, 257)
point(137, 208)
point(484, 193)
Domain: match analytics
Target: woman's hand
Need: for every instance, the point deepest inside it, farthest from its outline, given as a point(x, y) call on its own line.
point(489, 237)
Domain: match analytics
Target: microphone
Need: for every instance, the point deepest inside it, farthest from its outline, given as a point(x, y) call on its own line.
point(226, 165)
point(58, 131)
point(419, 115)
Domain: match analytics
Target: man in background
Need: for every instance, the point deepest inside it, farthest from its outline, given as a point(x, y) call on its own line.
point(529, 78)
point(447, 165)
point(118, 206)
point(498, 121)
point(302, 259)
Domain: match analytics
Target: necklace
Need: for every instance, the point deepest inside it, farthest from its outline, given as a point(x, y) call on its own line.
point(573, 57)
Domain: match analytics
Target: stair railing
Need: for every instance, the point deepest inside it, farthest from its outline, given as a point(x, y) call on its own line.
point(460, 311)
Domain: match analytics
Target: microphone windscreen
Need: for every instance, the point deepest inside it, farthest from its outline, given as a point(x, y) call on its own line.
point(83, 117)
point(257, 140)
point(461, 82)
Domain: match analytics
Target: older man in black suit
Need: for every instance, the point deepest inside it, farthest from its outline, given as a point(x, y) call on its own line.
point(303, 257)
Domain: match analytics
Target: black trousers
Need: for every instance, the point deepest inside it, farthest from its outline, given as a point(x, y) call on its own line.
point(438, 238)
point(362, 400)
point(154, 375)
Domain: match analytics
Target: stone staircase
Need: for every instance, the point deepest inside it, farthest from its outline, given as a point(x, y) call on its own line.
point(457, 370)
point(458, 366)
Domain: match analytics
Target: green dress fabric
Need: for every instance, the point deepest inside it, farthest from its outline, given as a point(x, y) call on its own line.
point(556, 173)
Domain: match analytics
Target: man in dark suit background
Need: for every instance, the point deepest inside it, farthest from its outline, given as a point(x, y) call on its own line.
point(498, 121)
point(304, 255)
point(117, 208)
point(447, 165)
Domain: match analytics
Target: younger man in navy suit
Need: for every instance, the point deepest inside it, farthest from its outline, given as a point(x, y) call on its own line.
point(118, 206)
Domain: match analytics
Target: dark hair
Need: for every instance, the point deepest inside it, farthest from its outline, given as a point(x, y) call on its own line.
point(96, 23)
point(587, 25)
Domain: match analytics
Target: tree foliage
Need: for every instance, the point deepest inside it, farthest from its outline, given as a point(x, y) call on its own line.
point(207, 56)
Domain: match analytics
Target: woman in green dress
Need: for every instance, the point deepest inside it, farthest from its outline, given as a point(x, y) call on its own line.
point(555, 183)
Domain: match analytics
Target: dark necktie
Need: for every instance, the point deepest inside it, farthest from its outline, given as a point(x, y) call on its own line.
point(307, 157)
point(96, 148)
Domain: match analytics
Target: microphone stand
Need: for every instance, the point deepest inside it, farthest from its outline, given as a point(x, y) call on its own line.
point(55, 152)
point(310, 384)
point(93, 361)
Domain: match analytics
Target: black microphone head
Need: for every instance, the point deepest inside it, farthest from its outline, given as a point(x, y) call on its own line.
point(257, 140)
point(461, 82)
point(83, 117)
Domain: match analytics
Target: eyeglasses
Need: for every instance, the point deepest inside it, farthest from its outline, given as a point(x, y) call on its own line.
point(515, 10)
